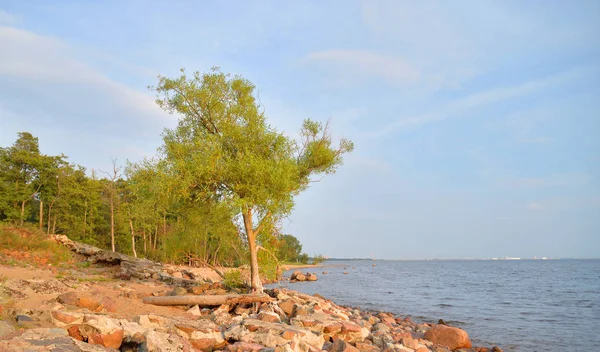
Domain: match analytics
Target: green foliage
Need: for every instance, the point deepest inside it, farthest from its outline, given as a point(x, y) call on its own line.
point(289, 248)
point(233, 279)
point(303, 258)
point(318, 259)
point(223, 149)
point(34, 244)
point(216, 193)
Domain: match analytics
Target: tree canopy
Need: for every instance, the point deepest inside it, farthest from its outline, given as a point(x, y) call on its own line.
point(223, 149)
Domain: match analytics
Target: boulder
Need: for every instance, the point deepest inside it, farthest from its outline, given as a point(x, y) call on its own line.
point(272, 334)
point(451, 337)
point(341, 346)
point(300, 277)
point(311, 277)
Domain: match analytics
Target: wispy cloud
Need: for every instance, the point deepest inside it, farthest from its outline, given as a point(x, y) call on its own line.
point(536, 206)
point(8, 18)
point(553, 181)
point(367, 63)
point(29, 56)
point(460, 106)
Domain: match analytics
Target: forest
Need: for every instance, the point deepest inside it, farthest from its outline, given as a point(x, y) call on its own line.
point(214, 194)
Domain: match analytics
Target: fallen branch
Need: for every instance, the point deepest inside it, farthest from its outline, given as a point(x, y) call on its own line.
point(207, 300)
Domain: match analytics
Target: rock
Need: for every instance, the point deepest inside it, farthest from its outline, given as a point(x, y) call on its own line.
point(74, 332)
point(5, 329)
point(107, 304)
point(70, 298)
point(341, 346)
point(287, 305)
point(164, 342)
point(367, 347)
point(89, 303)
point(178, 291)
point(63, 317)
point(324, 273)
point(345, 273)
point(198, 290)
point(177, 275)
point(269, 317)
point(496, 349)
point(195, 310)
point(453, 338)
point(311, 277)
point(22, 318)
point(442, 322)
point(295, 274)
point(410, 342)
point(300, 277)
point(244, 347)
point(272, 334)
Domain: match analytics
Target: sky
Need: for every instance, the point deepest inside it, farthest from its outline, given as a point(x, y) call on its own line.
point(476, 123)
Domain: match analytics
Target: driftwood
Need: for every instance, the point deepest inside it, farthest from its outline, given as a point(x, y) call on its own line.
point(207, 300)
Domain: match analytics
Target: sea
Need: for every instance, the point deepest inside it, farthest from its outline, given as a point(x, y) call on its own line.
point(518, 305)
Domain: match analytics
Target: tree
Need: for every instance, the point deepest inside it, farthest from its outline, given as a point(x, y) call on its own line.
point(289, 248)
point(224, 150)
point(111, 186)
point(22, 162)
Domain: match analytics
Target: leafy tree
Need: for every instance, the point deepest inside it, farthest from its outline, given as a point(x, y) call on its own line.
point(289, 248)
point(224, 150)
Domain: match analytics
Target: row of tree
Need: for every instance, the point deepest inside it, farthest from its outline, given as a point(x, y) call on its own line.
point(215, 193)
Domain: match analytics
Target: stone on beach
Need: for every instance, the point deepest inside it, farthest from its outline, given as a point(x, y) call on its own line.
point(453, 338)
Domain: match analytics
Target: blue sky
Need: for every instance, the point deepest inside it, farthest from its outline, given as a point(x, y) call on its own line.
point(476, 123)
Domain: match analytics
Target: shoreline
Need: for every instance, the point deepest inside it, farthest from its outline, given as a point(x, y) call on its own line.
point(63, 308)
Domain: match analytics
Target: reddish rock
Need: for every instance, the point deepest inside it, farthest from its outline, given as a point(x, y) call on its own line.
point(453, 338)
point(287, 305)
point(367, 347)
point(244, 347)
point(205, 345)
point(95, 339)
point(63, 317)
point(269, 317)
point(88, 302)
point(482, 349)
point(108, 304)
point(73, 331)
point(112, 340)
point(410, 342)
point(332, 328)
point(398, 337)
point(289, 334)
point(341, 346)
point(422, 349)
point(70, 298)
point(348, 326)
point(385, 318)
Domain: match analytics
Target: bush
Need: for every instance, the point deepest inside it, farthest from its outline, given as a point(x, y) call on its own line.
point(233, 279)
point(318, 259)
point(32, 246)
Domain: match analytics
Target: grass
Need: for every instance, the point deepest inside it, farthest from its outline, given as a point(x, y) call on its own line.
point(20, 245)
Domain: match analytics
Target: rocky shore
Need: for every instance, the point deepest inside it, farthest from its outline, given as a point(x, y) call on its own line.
point(107, 313)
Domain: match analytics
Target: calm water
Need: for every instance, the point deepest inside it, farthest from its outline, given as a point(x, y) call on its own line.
point(523, 305)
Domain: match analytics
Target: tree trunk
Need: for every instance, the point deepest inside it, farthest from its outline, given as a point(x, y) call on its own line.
point(84, 219)
point(144, 234)
point(207, 300)
point(54, 225)
point(41, 214)
point(49, 216)
point(155, 236)
point(112, 220)
point(22, 212)
point(132, 238)
point(251, 237)
point(164, 224)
